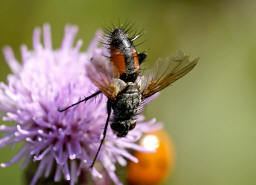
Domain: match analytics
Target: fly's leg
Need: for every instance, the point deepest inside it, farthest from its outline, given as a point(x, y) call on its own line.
point(104, 132)
point(141, 57)
point(80, 101)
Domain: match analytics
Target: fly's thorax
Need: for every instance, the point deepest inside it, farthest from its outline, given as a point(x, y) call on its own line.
point(127, 102)
point(129, 77)
point(125, 108)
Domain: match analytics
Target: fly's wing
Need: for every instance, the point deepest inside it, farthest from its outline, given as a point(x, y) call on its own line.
point(165, 72)
point(101, 72)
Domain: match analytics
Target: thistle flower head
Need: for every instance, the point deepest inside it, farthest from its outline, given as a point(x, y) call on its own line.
point(45, 80)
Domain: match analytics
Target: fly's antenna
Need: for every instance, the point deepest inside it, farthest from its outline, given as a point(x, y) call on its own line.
point(80, 101)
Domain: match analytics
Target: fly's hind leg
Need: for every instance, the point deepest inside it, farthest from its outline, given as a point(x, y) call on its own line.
point(80, 101)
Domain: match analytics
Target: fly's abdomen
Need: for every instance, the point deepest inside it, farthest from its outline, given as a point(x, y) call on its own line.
point(123, 55)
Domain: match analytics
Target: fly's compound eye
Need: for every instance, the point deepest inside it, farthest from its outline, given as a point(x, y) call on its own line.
point(132, 125)
point(116, 126)
point(120, 128)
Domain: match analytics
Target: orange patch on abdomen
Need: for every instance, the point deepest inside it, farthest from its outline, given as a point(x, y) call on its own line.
point(136, 60)
point(118, 59)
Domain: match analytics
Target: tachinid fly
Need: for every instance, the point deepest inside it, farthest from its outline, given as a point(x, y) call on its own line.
point(119, 78)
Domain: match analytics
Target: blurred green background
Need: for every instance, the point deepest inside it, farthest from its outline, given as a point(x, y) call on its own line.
point(210, 113)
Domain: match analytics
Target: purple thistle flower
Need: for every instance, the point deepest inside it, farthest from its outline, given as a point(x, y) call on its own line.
point(45, 80)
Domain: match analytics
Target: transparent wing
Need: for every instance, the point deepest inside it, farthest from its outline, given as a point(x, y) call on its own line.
point(165, 72)
point(102, 73)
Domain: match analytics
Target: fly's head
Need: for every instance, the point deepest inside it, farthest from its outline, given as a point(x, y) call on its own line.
point(121, 128)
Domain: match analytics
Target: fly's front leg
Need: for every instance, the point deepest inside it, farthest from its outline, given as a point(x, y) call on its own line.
point(104, 132)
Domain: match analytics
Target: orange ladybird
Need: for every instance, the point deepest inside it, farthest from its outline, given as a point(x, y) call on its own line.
point(152, 168)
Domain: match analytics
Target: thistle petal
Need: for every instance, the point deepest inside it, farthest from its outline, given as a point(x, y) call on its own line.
point(66, 142)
